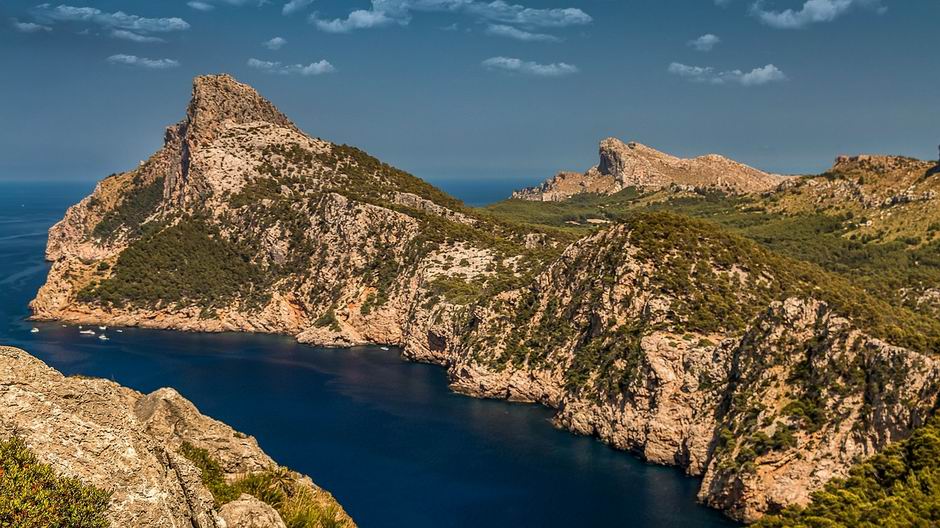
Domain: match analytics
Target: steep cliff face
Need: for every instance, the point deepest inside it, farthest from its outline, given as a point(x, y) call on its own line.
point(624, 165)
point(660, 335)
point(672, 347)
point(128, 443)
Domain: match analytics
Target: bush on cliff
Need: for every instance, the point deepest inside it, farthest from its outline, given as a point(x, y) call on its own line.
point(298, 505)
point(899, 487)
point(32, 495)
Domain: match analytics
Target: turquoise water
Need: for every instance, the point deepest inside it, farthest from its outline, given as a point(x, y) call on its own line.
point(385, 436)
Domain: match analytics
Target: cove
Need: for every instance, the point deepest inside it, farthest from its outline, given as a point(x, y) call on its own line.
point(385, 436)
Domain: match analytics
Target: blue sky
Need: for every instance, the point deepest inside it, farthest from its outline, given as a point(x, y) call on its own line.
point(479, 90)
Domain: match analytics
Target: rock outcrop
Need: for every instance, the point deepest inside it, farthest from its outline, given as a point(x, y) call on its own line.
point(249, 512)
point(625, 165)
point(122, 441)
point(660, 335)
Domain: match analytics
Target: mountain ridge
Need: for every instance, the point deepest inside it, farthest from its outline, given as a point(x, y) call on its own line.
point(634, 165)
point(655, 332)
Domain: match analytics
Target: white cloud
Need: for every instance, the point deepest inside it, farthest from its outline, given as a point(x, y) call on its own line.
point(314, 68)
point(143, 62)
point(116, 20)
point(295, 6)
point(812, 12)
point(200, 6)
point(134, 37)
point(707, 74)
point(209, 5)
point(274, 44)
point(502, 30)
point(359, 19)
point(705, 43)
point(29, 27)
point(557, 69)
point(387, 12)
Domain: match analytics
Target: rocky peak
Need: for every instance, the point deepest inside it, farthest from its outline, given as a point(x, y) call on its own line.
point(874, 163)
point(220, 98)
point(633, 164)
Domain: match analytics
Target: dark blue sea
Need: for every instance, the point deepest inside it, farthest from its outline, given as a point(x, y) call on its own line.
point(385, 436)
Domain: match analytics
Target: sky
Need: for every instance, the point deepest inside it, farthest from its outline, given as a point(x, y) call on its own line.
point(477, 91)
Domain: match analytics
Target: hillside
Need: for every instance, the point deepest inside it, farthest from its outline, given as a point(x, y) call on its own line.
point(117, 457)
point(632, 165)
point(686, 325)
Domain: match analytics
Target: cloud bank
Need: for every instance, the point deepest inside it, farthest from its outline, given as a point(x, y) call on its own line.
point(28, 27)
point(274, 44)
point(116, 20)
point(812, 12)
point(502, 30)
point(143, 62)
point(388, 12)
point(557, 69)
point(706, 74)
point(314, 68)
point(124, 34)
point(705, 43)
point(295, 6)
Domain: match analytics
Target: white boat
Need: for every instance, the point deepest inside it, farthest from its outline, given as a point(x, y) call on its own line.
point(119, 331)
point(384, 348)
point(87, 332)
point(103, 337)
point(34, 331)
point(102, 328)
point(64, 326)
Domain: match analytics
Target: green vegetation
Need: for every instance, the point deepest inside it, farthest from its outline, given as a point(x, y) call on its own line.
point(298, 505)
point(885, 270)
point(187, 264)
point(328, 319)
point(900, 487)
point(33, 496)
point(138, 204)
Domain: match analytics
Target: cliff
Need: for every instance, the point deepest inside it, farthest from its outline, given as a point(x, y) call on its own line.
point(625, 165)
point(131, 445)
point(661, 335)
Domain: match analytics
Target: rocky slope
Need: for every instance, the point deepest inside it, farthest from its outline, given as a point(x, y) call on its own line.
point(889, 197)
point(624, 165)
point(128, 443)
point(660, 335)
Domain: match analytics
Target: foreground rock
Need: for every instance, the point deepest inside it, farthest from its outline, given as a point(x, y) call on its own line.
point(120, 440)
point(625, 165)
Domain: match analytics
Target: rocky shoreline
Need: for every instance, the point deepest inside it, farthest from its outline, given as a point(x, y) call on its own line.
point(129, 444)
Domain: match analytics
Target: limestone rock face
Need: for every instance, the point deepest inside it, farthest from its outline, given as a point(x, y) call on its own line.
point(120, 440)
point(623, 165)
point(249, 512)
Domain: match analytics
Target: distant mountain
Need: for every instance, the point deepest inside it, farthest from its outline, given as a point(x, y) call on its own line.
point(739, 348)
point(625, 165)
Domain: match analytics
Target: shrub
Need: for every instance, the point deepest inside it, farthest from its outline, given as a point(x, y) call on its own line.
point(900, 487)
point(32, 495)
point(138, 204)
point(298, 505)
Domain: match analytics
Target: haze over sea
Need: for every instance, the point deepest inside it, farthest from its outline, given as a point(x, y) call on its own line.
point(386, 437)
